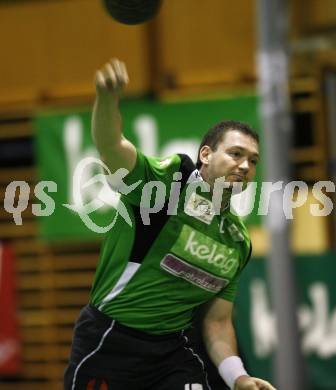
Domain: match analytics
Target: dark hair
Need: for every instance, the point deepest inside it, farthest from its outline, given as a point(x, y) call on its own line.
point(216, 133)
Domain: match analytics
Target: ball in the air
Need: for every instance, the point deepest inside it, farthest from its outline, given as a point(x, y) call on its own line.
point(132, 11)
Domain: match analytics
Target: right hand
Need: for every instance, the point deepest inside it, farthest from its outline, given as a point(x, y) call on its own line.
point(112, 78)
point(245, 382)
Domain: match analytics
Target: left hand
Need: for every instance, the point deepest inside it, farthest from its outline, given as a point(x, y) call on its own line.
point(249, 383)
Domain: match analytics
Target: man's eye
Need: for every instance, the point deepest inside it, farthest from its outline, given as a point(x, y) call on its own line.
point(254, 162)
point(235, 154)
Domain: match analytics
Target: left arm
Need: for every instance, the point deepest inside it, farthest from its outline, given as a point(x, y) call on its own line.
point(221, 344)
point(219, 334)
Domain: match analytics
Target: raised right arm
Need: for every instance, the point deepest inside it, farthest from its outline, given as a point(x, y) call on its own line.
point(114, 149)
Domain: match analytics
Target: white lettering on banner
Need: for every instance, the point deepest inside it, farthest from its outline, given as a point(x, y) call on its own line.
point(262, 320)
point(320, 325)
point(317, 322)
point(145, 127)
point(203, 252)
point(82, 194)
point(147, 130)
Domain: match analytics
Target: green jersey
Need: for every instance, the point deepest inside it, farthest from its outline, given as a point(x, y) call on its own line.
point(154, 272)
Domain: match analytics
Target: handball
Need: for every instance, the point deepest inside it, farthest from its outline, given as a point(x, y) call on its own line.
point(132, 11)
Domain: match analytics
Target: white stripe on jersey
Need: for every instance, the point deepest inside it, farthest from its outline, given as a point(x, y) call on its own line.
point(125, 277)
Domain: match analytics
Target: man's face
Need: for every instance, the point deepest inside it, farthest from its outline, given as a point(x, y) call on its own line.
point(235, 158)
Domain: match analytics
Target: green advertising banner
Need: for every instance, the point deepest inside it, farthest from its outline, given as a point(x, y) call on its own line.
point(256, 323)
point(158, 129)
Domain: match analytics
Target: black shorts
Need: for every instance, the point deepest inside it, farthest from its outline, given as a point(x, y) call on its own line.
point(106, 355)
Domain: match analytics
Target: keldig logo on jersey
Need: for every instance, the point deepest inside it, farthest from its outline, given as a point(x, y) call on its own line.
point(201, 250)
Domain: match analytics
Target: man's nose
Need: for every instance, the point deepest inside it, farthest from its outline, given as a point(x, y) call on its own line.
point(244, 165)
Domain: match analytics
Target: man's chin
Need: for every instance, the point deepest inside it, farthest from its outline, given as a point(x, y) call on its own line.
point(234, 185)
point(237, 186)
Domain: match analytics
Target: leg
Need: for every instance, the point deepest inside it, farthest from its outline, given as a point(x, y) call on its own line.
point(86, 381)
point(183, 370)
point(96, 361)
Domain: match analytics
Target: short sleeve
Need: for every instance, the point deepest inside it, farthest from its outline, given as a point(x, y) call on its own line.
point(229, 292)
point(152, 175)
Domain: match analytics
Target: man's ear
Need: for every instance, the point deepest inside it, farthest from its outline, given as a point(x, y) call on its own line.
point(205, 154)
